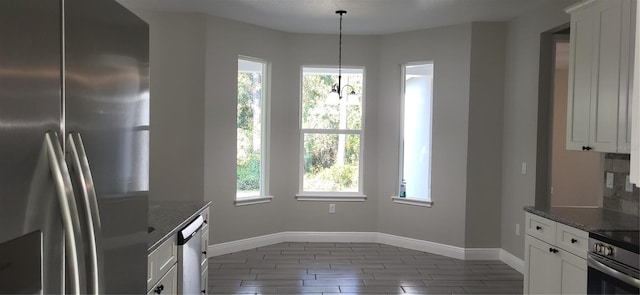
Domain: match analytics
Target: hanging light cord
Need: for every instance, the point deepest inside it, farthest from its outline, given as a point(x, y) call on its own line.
point(340, 50)
point(339, 90)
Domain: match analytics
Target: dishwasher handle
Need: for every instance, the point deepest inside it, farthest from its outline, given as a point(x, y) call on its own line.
point(185, 234)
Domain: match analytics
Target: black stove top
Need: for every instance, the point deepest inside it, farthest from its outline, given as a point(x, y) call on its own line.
point(629, 240)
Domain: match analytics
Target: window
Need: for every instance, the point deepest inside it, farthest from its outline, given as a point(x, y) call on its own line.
point(331, 134)
point(415, 142)
point(252, 112)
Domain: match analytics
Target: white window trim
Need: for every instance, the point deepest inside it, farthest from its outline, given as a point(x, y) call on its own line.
point(409, 200)
point(265, 157)
point(320, 197)
point(412, 201)
point(332, 196)
point(253, 200)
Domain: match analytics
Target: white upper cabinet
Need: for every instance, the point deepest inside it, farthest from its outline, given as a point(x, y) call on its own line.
point(635, 86)
point(598, 116)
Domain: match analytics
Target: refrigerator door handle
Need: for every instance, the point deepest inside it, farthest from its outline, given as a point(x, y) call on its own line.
point(89, 203)
point(69, 212)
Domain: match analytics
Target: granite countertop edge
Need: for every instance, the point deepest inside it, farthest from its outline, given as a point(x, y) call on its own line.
point(587, 219)
point(164, 232)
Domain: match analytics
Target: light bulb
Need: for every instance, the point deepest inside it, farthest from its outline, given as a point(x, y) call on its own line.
point(353, 98)
point(333, 98)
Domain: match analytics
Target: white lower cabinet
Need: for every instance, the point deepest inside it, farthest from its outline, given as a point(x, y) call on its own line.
point(168, 284)
point(160, 262)
point(204, 280)
point(573, 271)
point(204, 263)
point(162, 272)
point(555, 267)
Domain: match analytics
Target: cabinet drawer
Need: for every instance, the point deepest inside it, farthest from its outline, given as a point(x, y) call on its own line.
point(204, 246)
point(168, 284)
point(204, 280)
point(161, 260)
point(205, 216)
point(541, 228)
point(573, 240)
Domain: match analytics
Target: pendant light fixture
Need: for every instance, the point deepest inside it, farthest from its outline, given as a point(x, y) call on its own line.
point(335, 95)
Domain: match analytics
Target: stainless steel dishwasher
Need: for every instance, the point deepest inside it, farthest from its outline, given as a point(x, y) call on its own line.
point(189, 257)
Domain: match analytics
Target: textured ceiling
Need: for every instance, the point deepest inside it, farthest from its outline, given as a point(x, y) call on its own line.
point(363, 16)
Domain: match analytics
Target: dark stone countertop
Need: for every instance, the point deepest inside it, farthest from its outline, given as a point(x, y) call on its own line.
point(168, 217)
point(588, 219)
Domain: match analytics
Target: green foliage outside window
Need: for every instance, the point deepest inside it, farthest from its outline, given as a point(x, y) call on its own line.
point(248, 132)
point(326, 166)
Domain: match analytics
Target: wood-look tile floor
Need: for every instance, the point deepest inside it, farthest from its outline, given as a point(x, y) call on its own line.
point(355, 268)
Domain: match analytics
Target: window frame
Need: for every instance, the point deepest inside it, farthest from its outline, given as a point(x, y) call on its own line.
point(332, 196)
point(265, 140)
point(415, 201)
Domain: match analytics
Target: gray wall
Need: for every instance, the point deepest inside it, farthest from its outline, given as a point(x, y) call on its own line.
point(177, 100)
point(225, 41)
point(484, 153)
point(449, 49)
point(312, 49)
point(214, 60)
point(452, 220)
point(520, 116)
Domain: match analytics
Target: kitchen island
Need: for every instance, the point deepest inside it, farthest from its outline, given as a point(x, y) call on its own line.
point(166, 218)
point(171, 267)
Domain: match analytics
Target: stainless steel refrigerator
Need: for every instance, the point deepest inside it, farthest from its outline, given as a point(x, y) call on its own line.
point(74, 133)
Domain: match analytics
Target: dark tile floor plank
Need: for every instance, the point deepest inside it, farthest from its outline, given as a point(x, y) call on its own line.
point(355, 268)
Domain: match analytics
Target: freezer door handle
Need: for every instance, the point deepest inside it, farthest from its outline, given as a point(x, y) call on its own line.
point(69, 211)
point(89, 203)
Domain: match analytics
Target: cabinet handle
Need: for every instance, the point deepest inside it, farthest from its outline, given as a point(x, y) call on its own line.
point(553, 250)
point(159, 289)
point(538, 227)
point(586, 148)
point(573, 241)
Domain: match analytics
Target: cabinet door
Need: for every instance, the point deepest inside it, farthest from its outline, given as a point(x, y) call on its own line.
point(635, 151)
point(161, 260)
point(543, 268)
point(204, 281)
point(167, 284)
point(204, 246)
point(573, 271)
point(580, 77)
point(627, 52)
point(606, 76)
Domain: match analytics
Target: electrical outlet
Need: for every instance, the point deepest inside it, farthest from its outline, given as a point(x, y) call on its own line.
point(628, 185)
point(332, 208)
point(517, 229)
point(524, 168)
point(609, 180)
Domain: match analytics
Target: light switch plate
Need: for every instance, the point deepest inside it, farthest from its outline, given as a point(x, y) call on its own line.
point(628, 185)
point(609, 180)
point(524, 168)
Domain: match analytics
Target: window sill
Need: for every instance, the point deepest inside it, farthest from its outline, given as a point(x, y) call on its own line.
point(253, 201)
point(331, 198)
point(413, 202)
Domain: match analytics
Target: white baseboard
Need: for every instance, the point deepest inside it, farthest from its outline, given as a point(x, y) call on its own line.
point(511, 260)
point(421, 245)
point(333, 237)
point(482, 253)
point(244, 244)
point(368, 237)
